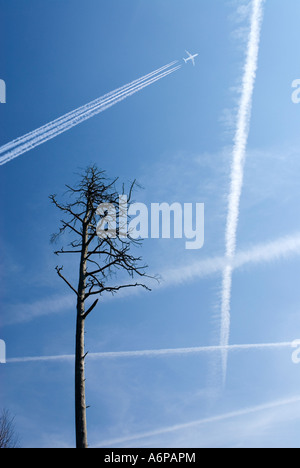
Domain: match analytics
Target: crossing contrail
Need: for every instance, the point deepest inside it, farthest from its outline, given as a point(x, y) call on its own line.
point(210, 420)
point(39, 136)
point(152, 353)
point(280, 249)
point(237, 170)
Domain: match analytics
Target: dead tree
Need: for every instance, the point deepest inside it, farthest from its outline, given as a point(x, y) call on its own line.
point(8, 437)
point(100, 258)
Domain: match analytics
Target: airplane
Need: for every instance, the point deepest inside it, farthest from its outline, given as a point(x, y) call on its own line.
point(190, 57)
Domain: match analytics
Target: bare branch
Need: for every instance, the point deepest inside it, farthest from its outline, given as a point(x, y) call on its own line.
point(62, 251)
point(90, 309)
point(114, 289)
point(68, 225)
point(66, 208)
point(75, 244)
point(65, 280)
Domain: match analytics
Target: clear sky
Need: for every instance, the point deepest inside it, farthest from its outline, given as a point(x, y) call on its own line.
point(176, 138)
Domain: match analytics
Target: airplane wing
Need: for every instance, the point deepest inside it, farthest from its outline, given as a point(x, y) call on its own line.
point(190, 55)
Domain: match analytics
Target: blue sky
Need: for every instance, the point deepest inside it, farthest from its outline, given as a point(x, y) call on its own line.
point(176, 138)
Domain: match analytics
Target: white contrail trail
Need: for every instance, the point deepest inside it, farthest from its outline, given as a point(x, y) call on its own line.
point(223, 417)
point(279, 249)
point(79, 110)
point(237, 170)
point(152, 353)
point(77, 117)
point(80, 117)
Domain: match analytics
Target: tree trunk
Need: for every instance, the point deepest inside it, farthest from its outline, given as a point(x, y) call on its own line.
point(80, 404)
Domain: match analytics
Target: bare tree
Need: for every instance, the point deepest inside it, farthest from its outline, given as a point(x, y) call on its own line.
point(8, 437)
point(100, 258)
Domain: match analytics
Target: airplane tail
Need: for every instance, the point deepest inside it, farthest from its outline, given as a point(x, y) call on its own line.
point(185, 60)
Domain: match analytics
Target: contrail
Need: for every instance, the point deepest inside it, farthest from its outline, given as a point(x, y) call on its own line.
point(237, 170)
point(265, 253)
point(37, 137)
point(80, 118)
point(213, 419)
point(79, 110)
point(157, 352)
